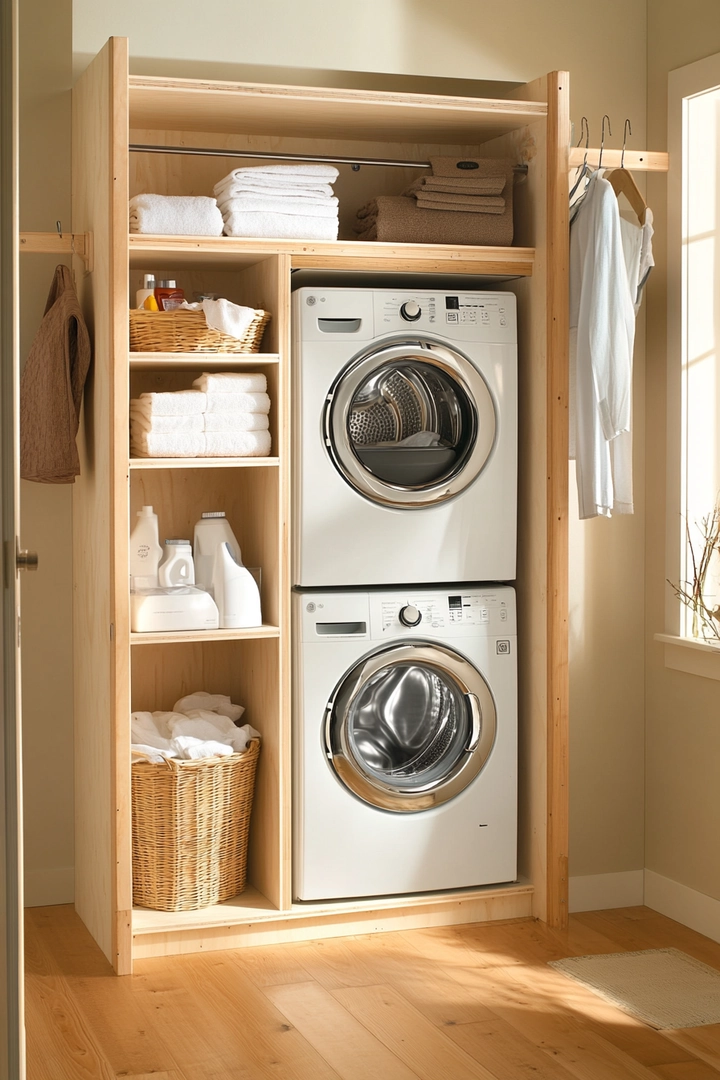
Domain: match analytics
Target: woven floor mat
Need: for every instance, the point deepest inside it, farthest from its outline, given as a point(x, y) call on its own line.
point(665, 988)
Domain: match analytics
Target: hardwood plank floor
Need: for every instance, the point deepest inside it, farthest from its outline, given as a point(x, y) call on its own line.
point(472, 1002)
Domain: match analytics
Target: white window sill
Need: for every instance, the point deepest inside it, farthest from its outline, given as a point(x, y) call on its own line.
point(692, 656)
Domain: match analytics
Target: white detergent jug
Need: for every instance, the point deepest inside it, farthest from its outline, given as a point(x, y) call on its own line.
point(177, 566)
point(235, 590)
point(212, 530)
point(145, 551)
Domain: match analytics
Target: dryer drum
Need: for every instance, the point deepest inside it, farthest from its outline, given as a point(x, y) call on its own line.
point(409, 425)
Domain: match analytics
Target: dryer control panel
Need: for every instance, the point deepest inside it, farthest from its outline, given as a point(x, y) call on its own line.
point(355, 315)
point(460, 316)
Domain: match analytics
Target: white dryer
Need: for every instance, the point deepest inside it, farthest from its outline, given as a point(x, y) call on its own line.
point(404, 741)
point(404, 436)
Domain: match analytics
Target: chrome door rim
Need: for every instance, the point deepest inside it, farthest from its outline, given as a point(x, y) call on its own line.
point(455, 366)
point(385, 795)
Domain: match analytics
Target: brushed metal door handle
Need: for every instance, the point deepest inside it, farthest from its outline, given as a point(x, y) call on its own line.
point(26, 560)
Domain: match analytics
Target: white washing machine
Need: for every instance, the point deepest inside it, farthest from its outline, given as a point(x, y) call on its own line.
point(404, 436)
point(404, 741)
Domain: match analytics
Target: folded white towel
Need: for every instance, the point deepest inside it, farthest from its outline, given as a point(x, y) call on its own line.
point(237, 443)
point(165, 425)
point(170, 403)
point(228, 189)
point(278, 204)
point(281, 226)
point(236, 421)
point(231, 382)
point(281, 174)
point(176, 215)
point(228, 318)
point(150, 444)
point(257, 402)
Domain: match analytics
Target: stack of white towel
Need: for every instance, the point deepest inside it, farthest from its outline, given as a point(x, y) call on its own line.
point(226, 416)
point(290, 202)
point(175, 215)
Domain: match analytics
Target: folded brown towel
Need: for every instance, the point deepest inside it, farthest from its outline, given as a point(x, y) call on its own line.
point(491, 185)
point(51, 388)
point(400, 220)
point(475, 204)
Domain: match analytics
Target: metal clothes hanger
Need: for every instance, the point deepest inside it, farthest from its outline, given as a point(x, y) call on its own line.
point(623, 182)
point(602, 138)
point(583, 171)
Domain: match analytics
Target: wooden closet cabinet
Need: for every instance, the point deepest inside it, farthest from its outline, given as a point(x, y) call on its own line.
point(115, 670)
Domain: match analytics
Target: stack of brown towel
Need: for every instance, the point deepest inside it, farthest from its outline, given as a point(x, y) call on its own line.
point(463, 201)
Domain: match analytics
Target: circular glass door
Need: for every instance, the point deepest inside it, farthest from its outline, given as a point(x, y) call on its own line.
point(410, 726)
point(410, 425)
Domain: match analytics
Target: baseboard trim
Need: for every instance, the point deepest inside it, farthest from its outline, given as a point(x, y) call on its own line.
point(595, 892)
point(46, 887)
point(685, 905)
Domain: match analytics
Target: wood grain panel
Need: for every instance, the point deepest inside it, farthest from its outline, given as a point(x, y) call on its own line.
point(162, 103)
point(99, 192)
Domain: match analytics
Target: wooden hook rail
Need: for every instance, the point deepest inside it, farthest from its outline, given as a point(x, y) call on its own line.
point(49, 243)
point(637, 160)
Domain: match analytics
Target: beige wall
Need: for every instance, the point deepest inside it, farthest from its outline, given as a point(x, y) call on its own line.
point(386, 39)
point(683, 711)
point(46, 525)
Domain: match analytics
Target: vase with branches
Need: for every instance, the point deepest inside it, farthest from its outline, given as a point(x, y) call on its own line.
point(696, 593)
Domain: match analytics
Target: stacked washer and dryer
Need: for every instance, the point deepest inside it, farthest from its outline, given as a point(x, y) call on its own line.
point(404, 537)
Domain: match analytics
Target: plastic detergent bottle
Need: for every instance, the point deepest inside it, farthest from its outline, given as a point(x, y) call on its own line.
point(177, 566)
point(235, 590)
point(145, 551)
point(212, 530)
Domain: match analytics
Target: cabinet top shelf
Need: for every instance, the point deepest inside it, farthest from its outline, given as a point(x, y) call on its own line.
point(195, 252)
point(161, 103)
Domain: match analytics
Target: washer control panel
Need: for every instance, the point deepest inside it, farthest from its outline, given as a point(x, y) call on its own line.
point(470, 610)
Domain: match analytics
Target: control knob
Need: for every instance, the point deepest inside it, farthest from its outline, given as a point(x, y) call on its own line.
point(410, 311)
point(410, 616)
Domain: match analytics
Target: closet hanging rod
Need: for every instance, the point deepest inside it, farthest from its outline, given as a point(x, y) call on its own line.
point(202, 151)
point(637, 160)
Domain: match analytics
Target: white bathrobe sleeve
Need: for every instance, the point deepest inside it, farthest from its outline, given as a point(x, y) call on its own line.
point(602, 321)
point(606, 323)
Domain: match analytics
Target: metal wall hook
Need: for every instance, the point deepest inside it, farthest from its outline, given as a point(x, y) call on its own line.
point(58, 226)
point(602, 137)
point(627, 130)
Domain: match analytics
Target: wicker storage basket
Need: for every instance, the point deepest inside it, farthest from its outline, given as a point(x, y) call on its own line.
point(190, 823)
point(187, 331)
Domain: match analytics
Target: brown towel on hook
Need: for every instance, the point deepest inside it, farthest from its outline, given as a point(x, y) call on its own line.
point(51, 388)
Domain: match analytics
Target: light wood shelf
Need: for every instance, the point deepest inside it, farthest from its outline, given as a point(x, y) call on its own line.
point(203, 360)
point(319, 112)
point(196, 253)
point(178, 637)
point(204, 463)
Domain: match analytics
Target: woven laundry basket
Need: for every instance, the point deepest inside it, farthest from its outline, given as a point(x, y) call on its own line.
point(190, 824)
point(187, 332)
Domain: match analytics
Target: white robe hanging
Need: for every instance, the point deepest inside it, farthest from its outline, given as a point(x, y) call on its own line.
point(602, 335)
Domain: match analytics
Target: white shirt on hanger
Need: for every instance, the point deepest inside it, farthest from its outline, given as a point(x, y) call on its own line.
point(602, 335)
